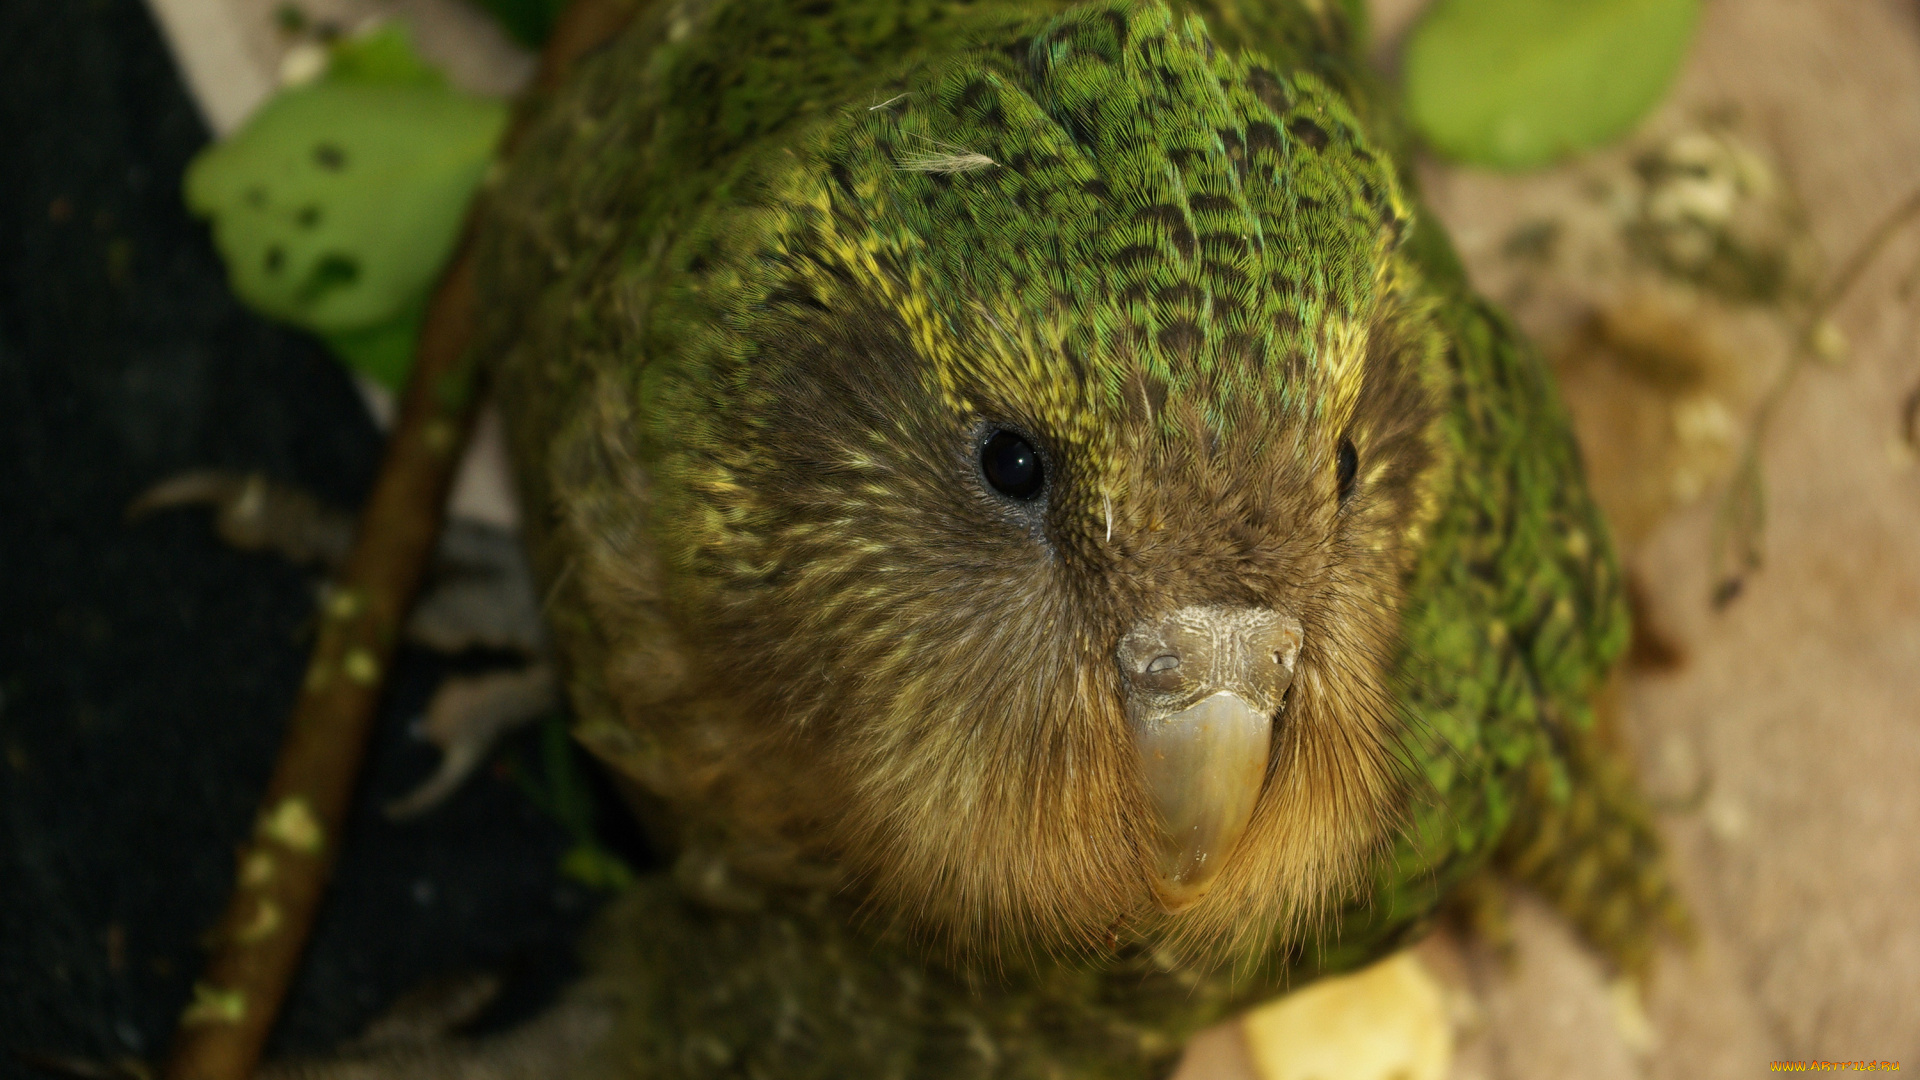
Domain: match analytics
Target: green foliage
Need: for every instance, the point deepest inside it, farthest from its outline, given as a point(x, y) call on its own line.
point(336, 205)
point(384, 351)
point(1359, 20)
point(561, 791)
point(528, 21)
point(382, 58)
point(1515, 84)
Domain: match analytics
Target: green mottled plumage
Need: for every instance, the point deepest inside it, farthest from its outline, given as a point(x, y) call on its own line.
point(752, 285)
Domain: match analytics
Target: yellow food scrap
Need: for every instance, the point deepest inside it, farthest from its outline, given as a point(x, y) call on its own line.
point(1385, 1022)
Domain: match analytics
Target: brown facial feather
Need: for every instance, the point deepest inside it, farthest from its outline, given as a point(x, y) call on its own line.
point(827, 642)
point(901, 673)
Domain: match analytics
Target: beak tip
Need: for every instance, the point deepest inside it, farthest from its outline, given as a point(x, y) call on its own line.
point(1175, 897)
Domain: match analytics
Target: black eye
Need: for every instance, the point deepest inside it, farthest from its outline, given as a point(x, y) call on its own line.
point(1346, 467)
point(1011, 465)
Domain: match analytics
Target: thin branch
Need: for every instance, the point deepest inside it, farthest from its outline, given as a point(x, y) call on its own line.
point(1742, 511)
point(285, 865)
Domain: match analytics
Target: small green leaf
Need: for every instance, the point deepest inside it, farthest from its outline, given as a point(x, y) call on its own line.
point(565, 794)
point(595, 867)
point(1519, 83)
point(382, 352)
point(1359, 22)
point(335, 206)
point(569, 799)
point(383, 57)
point(528, 21)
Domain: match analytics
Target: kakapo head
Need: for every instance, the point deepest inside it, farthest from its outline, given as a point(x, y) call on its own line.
point(1033, 484)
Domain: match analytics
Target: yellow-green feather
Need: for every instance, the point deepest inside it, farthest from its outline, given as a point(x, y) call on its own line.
point(950, 173)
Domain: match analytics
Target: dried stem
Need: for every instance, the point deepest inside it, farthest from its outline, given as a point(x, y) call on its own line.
point(1742, 512)
point(285, 865)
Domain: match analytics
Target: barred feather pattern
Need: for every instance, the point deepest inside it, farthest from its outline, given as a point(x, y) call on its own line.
point(761, 277)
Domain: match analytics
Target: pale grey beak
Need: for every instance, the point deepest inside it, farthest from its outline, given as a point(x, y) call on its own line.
point(1204, 766)
point(1203, 688)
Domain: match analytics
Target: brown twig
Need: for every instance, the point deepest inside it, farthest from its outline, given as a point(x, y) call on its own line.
point(284, 866)
point(1742, 511)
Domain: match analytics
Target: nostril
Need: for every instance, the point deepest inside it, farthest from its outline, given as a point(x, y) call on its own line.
point(1284, 648)
point(1163, 663)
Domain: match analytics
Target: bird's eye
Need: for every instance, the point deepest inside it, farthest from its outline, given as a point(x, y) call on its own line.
point(1346, 467)
point(1012, 466)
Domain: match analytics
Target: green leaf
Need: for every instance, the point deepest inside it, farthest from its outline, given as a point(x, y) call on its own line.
point(1359, 22)
point(569, 799)
point(335, 206)
point(565, 795)
point(384, 351)
point(528, 21)
point(382, 57)
point(596, 867)
point(337, 203)
point(1519, 83)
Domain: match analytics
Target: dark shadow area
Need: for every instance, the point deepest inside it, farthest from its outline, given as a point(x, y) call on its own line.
point(145, 670)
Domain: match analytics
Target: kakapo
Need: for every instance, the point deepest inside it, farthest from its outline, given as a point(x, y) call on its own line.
point(1041, 528)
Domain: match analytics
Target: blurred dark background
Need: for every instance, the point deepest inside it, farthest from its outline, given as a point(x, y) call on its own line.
point(145, 670)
